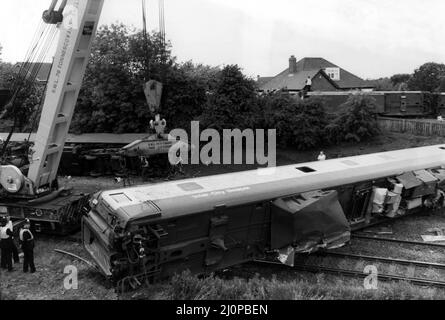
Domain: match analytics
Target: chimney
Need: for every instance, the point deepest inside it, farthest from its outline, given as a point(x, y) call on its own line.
point(292, 64)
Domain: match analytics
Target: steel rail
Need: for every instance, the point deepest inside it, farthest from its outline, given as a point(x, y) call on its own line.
point(417, 243)
point(383, 259)
point(355, 273)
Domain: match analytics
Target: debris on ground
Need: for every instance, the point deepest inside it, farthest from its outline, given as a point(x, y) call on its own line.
point(438, 234)
point(429, 238)
point(380, 231)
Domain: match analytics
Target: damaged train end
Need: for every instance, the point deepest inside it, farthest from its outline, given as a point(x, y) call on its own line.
point(211, 223)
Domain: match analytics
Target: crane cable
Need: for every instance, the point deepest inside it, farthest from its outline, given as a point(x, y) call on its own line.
point(162, 23)
point(29, 70)
point(163, 67)
point(146, 41)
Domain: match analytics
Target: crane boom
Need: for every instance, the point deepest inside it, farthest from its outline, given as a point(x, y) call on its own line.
point(77, 31)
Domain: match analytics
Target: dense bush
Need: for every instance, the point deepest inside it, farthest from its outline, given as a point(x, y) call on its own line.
point(355, 122)
point(299, 123)
point(232, 101)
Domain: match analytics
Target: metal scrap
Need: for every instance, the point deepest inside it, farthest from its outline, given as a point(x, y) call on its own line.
point(77, 257)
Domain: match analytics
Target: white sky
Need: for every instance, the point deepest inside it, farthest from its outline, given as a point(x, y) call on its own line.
point(371, 38)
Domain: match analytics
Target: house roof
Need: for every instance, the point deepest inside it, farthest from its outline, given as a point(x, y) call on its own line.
point(311, 67)
point(263, 80)
point(45, 69)
point(290, 81)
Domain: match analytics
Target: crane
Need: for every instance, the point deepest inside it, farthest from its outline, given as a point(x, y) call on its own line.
point(77, 27)
point(34, 195)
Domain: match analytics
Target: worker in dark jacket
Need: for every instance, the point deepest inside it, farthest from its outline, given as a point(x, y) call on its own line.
point(6, 244)
point(27, 243)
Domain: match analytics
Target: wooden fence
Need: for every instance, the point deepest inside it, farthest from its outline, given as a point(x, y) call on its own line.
point(421, 127)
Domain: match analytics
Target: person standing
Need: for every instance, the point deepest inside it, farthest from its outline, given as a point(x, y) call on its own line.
point(15, 252)
point(321, 156)
point(145, 167)
point(308, 85)
point(5, 245)
point(27, 243)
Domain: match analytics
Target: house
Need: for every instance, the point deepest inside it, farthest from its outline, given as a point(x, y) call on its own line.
point(43, 70)
point(325, 76)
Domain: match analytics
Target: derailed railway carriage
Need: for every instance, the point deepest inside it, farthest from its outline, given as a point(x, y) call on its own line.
point(210, 223)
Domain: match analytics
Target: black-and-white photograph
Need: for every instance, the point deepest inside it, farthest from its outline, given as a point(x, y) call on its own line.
point(222, 150)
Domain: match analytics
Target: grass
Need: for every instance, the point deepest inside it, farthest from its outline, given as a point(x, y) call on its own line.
point(48, 282)
point(304, 287)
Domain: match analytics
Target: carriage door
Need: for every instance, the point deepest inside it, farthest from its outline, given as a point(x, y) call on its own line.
point(403, 103)
point(360, 200)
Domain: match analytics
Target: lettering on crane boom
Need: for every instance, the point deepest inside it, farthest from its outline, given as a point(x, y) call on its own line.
point(160, 145)
point(88, 29)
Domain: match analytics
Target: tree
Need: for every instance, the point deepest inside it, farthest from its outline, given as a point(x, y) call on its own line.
point(441, 87)
point(112, 97)
point(206, 75)
point(5, 71)
point(232, 102)
point(356, 121)
point(299, 124)
point(184, 98)
point(382, 84)
point(427, 77)
point(400, 81)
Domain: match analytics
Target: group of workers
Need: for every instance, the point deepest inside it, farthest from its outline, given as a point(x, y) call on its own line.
point(9, 251)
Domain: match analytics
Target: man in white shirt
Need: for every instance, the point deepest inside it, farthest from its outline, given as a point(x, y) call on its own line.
point(321, 156)
point(15, 251)
point(308, 86)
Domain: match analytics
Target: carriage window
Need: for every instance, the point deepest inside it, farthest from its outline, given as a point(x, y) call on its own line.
point(306, 169)
point(190, 186)
point(120, 197)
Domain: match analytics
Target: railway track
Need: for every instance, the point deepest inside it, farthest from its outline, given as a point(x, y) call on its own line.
point(353, 265)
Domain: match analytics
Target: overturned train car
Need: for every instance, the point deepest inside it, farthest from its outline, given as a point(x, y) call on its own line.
point(210, 223)
point(391, 103)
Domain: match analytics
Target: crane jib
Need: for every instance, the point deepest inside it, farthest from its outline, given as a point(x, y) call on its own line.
point(64, 84)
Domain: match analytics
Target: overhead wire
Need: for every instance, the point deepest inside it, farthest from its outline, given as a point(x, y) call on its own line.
point(162, 40)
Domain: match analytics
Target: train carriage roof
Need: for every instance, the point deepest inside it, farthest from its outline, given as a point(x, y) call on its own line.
point(205, 193)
